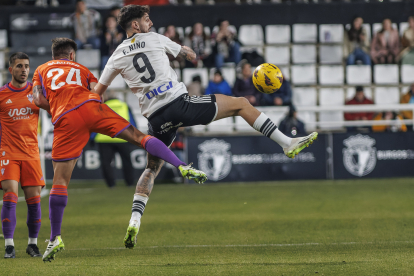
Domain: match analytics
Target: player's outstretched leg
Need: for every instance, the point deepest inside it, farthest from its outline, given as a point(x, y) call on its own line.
point(8, 215)
point(34, 218)
point(231, 106)
point(58, 200)
point(158, 149)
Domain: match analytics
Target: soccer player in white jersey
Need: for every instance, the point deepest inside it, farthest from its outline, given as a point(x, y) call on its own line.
point(142, 61)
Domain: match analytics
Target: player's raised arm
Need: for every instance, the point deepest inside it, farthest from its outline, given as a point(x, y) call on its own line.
point(187, 53)
point(99, 88)
point(39, 99)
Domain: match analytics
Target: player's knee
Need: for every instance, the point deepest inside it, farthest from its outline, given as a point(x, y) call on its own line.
point(242, 102)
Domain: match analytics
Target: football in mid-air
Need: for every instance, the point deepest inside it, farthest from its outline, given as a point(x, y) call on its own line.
point(267, 78)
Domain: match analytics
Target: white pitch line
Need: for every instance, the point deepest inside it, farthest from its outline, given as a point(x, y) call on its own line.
point(239, 245)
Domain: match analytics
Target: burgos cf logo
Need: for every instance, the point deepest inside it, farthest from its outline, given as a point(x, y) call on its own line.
point(359, 156)
point(20, 112)
point(215, 159)
point(159, 90)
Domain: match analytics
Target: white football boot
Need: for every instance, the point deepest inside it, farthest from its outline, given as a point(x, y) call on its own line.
point(298, 144)
point(52, 248)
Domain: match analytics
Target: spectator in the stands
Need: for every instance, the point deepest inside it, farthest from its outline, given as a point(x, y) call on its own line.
point(396, 126)
point(283, 96)
point(218, 85)
point(87, 24)
point(407, 41)
point(225, 44)
point(359, 98)
point(109, 40)
point(356, 43)
point(408, 98)
point(200, 43)
point(195, 88)
point(171, 33)
point(385, 45)
point(244, 87)
point(115, 11)
point(291, 126)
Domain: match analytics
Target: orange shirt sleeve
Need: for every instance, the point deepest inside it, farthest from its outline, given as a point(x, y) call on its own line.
point(36, 80)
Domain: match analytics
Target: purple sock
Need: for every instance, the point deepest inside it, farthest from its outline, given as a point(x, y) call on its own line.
point(58, 200)
point(34, 216)
point(8, 214)
point(158, 149)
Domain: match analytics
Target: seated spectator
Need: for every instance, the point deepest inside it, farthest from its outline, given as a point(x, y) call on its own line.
point(356, 43)
point(407, 41)
point(218, 85)
point(226, 48)
point(397, 126)
point(359, 98)
point(408, 98)
point(87, 24)
point(291, 126)
point(171, 33)
point(385, 45)
point(109, 40)
point(115, 11)
point(201, 45)
point(195, 88)
point(244, 87)
point(283, 96)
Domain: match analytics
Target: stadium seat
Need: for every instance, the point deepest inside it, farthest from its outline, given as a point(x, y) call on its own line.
point(305, 33)
point(386, 74)
point(251, 35)
point(3, 39)
point(224, 125)
point(358, 74)
point(387, 95)
point(330, 54)
point(304, 96)
point(403, 26)
point(276, 116)
point(350, 93)
point(331, 33)
point(178, 72)
point(304, 54)
point(188, 74)
point(2, 60)
point(199, 129)
point(308, 118)
point(331, 75)
point(278, 55)
point(285, 71)
point(376, 27)
point(1, 80)
point(90, 58)
point(407, 73)
point(404, 90)
point(331, 97)
point(277, 34)
point(229, 74)
point(303, 74)
point(242, 126)
point(117, 83)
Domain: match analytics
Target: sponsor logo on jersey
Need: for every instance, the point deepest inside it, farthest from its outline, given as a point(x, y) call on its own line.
point(30, 98)
point(9, 101)
point(4, 153)
point(215, 159)
point(2, 171)
point(359, 156)
point(159, 90)
point(19, 114)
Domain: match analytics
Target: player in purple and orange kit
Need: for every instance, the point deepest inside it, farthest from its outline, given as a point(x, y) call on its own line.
point(19, 154)
point(62, 87)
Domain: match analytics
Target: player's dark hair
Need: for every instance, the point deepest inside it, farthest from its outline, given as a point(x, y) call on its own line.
point(18, 55)
point(62, 46)
point(131, 12)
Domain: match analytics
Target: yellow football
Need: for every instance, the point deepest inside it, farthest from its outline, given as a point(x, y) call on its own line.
point(267, 78)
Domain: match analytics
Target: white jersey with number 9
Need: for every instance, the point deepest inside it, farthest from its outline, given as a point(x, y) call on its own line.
point(143, 63)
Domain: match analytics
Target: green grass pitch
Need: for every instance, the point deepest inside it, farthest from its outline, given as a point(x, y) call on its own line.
point(353, 227)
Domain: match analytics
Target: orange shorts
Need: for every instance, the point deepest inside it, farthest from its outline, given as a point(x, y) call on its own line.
point(27, 172)
point(73, 130)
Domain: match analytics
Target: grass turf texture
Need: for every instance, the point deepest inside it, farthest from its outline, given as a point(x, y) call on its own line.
point(354, 227)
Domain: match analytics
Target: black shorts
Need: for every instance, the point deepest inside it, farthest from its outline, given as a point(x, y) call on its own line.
point(182, 112)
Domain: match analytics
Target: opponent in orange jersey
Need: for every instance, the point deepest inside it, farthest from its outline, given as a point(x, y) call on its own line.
point(19, 154)
point(63, 87)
